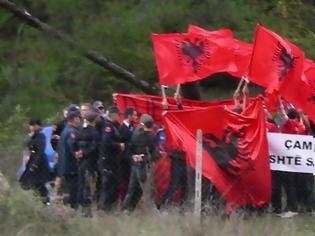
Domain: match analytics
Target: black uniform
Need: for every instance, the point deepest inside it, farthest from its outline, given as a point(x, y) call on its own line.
point(88, 142)
point(100, 125)
point(126, 132)
point(109, 165)
point(59, 128)
point(37, 171)
point(142, 143)
point(67, 164)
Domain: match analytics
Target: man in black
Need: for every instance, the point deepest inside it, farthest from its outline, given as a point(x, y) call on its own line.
point(88, 141)
point(99, 107)
point(143, 150)
point(111, 148)
point(68, 152)
point(126, 130)
point(36, 173)
point(60, 125)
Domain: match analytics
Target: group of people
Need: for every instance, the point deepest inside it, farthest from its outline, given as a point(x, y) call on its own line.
point(298, 187)
point(103, 159)
point(99, 158)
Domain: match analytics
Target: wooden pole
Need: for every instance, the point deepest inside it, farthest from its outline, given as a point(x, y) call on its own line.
point(198, 177)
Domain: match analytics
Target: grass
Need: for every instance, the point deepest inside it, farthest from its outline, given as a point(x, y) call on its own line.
point(22, 214)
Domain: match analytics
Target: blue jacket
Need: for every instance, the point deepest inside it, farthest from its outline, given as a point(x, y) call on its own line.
point(67, 146)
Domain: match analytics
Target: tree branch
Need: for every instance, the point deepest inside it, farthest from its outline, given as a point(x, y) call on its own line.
point(87, 53)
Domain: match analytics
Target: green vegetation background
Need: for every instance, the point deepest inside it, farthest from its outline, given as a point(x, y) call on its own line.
point(42, 74)
point(39, 75)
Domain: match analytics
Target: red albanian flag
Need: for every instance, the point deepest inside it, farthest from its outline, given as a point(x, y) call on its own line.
point(241, 50)
point(271, 101)
point(187, 57)
point(309, 71)
point(235, 152)
point(274, 59)
point(301, 93)
point(148, 104)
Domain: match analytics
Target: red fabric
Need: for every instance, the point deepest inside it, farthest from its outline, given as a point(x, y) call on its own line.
point(309, 72)
point(292, 126)
point(271, 127)
point(274, 59)
point(221, 33)
point(252, 184)
point(147, 104)
point(162, 179)
point(301, 93)
point(271, 101)
point(242, 51)
point(187, 57)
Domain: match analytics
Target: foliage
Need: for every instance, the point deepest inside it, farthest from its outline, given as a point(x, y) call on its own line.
point(42, 74)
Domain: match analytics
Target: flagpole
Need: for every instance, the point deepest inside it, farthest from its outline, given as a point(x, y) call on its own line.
point(198, 176)
point(254, 46)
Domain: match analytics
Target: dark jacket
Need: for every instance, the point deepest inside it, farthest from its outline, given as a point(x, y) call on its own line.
point(37, 169)
point(88, 142)
point(143, 142)
point(126, 132)
point(59, 128)
point(67, 147)
point(100, 125)
point(110, 144)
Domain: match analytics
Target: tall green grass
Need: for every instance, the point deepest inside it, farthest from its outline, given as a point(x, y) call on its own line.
point(23, 214)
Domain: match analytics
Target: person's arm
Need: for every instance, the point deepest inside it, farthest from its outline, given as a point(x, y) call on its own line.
point(108, 139)
point(236, 95)
point(153, 150)
point(72, 143)
point(282, 111)
point(178, 98)
point(164, 98)
point(245, 92)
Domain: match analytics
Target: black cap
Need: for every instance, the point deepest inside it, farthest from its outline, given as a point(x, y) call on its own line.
point(35, 121)
point(113, 109)
point(91, 116)
point(73, 114)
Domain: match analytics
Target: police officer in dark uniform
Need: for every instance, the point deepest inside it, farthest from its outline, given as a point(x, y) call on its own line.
point(37, 171)
point(88, 141)
point(126, 130)
point(68, 151)
point(111, 148)
point(143, 150)
point(60, 125)
point(99, 107)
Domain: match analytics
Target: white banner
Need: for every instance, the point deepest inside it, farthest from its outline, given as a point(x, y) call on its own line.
point(293, 153)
